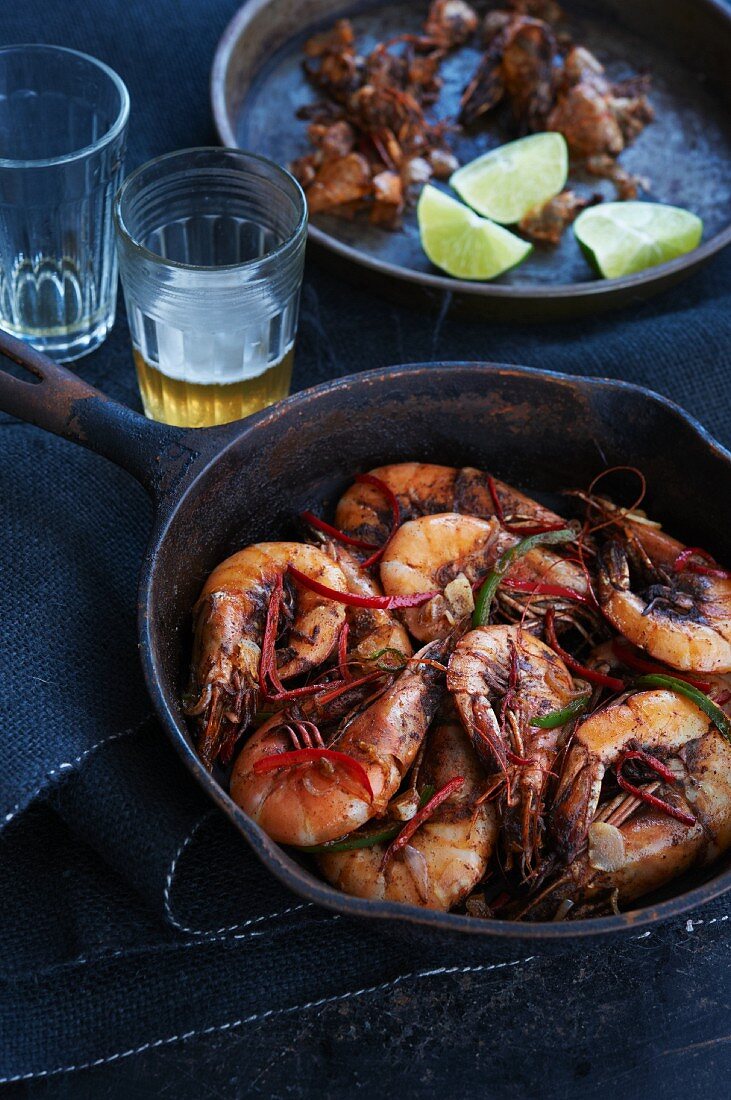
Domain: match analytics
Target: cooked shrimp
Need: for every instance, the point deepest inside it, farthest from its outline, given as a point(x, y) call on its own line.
point(655, 721)
point(544, 564)
point(501, 678)
point(449, 853)
point(584, 112)
point(424, 489)
point(452, 553)
point(429, 553)
point(371, 630)
point(229, 623)
point(547, 222)
point(450, 23)
point(420, 488)
point(316, 802)
point(623, 846)
point(683, 619)
point(620, 660)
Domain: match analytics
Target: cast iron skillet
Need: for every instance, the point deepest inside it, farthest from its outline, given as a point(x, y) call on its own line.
point(686, 152)
point(216, 490)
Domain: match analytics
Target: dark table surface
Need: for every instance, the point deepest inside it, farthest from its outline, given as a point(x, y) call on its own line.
point(644, 1016)
point(646, 1021)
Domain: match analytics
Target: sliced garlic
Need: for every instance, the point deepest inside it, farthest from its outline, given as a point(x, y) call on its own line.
point(405, 806)
point(606, 847)
point(563, 909)
point(458, 594)
point(416, 864)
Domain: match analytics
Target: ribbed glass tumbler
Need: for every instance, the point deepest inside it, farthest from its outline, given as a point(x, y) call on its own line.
point(63, 122)
point(211, 248)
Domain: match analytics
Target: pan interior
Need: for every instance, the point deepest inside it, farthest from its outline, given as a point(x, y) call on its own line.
point(538, 431)
point(685, 153)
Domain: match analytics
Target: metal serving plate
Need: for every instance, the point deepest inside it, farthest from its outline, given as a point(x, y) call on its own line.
point(257, 84)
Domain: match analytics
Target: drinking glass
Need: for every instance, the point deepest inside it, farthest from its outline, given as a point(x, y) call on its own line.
point(63, 123)
point(211, 248)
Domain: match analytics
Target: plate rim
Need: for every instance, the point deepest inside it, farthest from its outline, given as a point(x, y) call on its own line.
point(445, 284)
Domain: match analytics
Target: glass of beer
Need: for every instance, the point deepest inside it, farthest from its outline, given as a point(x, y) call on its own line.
point(211, 247)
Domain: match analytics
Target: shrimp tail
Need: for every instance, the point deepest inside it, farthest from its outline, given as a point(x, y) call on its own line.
point(211, 735)
point(224, 673)
point(573, 807)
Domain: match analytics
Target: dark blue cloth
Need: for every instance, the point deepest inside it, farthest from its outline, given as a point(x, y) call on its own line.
point(132, 916)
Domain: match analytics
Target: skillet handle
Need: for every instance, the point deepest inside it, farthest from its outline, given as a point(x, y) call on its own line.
point(55, 399)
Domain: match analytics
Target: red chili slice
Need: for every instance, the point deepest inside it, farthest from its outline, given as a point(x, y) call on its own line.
point(517, 528)
point(351, 540)
point(589, 674)
point(335, 532)
point(519, 761)
point(420, 817)
point(538, 588)
point(644, 796)
point(311, 756)
point(635, 661)
point(384, 603)
point(684, 564)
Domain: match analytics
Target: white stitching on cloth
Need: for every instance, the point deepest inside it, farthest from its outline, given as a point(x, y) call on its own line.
point(691, 925)
point(54, 773)
point(257, 1017)
point(235, 931)
point(209, 933)
point(205, 939)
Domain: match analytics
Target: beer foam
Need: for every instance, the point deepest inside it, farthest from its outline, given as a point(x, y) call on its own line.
point(215, 358)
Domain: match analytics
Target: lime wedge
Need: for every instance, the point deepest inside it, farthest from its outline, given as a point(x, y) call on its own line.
point(463, 244)
point(507, 182)
point(620, 238)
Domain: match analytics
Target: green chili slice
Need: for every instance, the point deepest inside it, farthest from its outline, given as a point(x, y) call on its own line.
point(714, 712)
point(388, 666)
point(490, 585)
point(558, 718)
point(366, 840)
point(350, 844)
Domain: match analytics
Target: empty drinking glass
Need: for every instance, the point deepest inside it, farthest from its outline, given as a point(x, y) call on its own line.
point(211, 248)
point(63, 122)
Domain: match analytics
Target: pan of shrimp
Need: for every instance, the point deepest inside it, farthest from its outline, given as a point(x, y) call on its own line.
point(450, 644)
